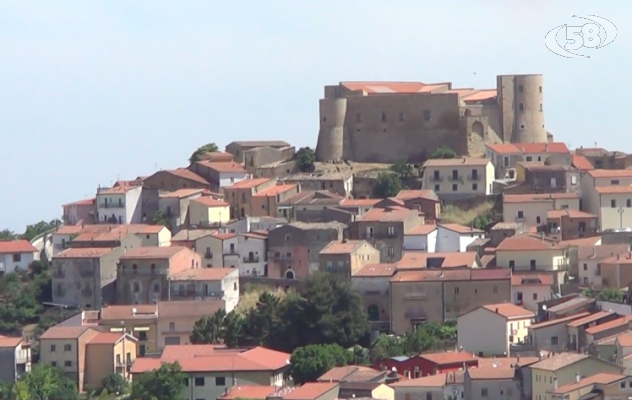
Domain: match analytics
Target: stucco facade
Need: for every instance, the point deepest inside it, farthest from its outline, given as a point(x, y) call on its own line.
point(532, 209)
point(459, 178)
point(359, 120)
point(16, 254)
point(119, 205)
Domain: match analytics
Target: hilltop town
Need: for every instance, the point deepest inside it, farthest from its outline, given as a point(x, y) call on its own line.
point(437, 243)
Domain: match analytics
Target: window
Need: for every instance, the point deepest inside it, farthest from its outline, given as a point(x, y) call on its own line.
point(540, 89)
point(529, 158)
point(136, 287)
point(235, 286)
point(455, 187)
point(17, 257)
point(519, 296)
point(622, 385)
point(532, 264)
point(474, 186)
point(521, 88)
point(484, 392)
point(455, 174)
point(456, 290)
point(67, 363)
point(401, 117)
point(156, 288)
point(391, 251)
point(613, 203)
point(390, 231)
point(220, 381)
point(538, 220)
point(540, 106)
point(535, 296)
point(521, 107)
point(437, 188)
point(520, 214)
point(67, 347)
point(573, 179)
point(427, 115)
point(358, 117)
point(142, 336)
point(614, 182)
point(585, 267)
point(288, 254)
point(53, 363)
point(288, 237)
point(172, 326)
point(628, 203)
point(512, 264)
point(522, 126)
point(495, 289)
point(53, 348)
point(199, 381)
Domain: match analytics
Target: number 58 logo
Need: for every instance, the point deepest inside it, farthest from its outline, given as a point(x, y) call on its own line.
point(596, 34)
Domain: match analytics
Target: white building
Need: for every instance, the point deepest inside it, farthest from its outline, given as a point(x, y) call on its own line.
point(16, 254)
point(252, 251)
point(421, 237)
point(489, 330)
point(207, 284)
point(528, 289)
point(453, 238)
point(119, 205)
point(250, 224)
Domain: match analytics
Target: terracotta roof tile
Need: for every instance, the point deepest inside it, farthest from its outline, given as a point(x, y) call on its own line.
point(224, 236)
point(424, 229)
point(385, 87)
point(613, 189)
point(503, 148)
point(588, 319)
point(202, 274)
point(600, 378)
point(343, 247)
point(582, 163)
point(249, 392)
point(415, 260)
point(260, 143)
point(509, 310)
point(625, 340)
point(311, 391)
point(431, 276)
point(491, 373)
point(359, 202)
point(248, 183)
point(560, 360)
point(186, 174)
point(16, 246)
point(276, 189)
point(557, 214)
point(60, 333)
point(506, 362)
point(181, 193)
point(451, 162)
point(451, 357)
point(527, 279)
point(601, 252)
point(211, 202)
point(156, 252)
point(376, 270)
point(191, 234)
point(384, 215)
point(618, 259)
point(564, 320)
point(84, 202)
point(438, 380)
point(537, 148)
point(96, 252)
point(408, 194)
point(461, 229)
point(223, 166)
point(610, 173)
point(523, 242)
point(106, 338)
point(10, 342)
point(609, 325)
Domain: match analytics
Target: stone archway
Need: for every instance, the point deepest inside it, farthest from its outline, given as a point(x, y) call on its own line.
point(478, 131)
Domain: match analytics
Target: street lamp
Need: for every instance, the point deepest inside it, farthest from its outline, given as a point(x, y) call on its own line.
point(621, 210)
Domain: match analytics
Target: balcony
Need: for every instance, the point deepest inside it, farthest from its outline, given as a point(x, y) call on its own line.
point(111, 205)
point(120, 363)
point(455, 178)
point(436, 178)
point(474, 178)
point(250, 260)
point(231, 252)
point(416, 296)
point(23, 359)
point(208, 255)
point(520, 219)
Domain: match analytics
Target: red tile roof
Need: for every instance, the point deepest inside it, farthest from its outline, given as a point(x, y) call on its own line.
point(536, 148)
point(211, 202)
point(16, 246)
point(527, 242)
point(452, 357)
point(383, 215)
point(461, 229)
point(180, 193)
point(95, 252)
point(61, 333)
point(564, 320)
point(611, 173)
point(10, 341)
point(509, 310)
point(415, 260)
point(526, 279)
point(359, 202)
point(186, 174)
point(385, 87)
point(589, 318)
point(84, 202)
point(503, 148)
point(152, 252)
point(582, 163)
point(202, 274)
point(122, 312)
point(609, 325)
point(421, 230)
point(451, 162)
point(106, 338)
point(311, 391)
point(224, 236)
point(556, 214)
point(376, 270)
point(408, 194)
point(274, 190)
point(223, 166)
point(248, 183)
point(613, 189)
point(600, 378)
point(249, 392)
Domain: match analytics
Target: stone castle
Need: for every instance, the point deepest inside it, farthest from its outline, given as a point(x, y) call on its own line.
point(384, 122)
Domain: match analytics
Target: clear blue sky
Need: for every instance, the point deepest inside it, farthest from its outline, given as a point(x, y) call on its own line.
point(91, 91)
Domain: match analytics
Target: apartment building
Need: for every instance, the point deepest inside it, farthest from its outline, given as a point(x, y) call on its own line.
point(344, 258)
point(239, 195)
point(206, 284)
point(532, 209)
point(459, 177)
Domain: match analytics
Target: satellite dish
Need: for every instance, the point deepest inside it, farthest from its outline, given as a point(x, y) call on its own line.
point(134, 310)
point(544, 307)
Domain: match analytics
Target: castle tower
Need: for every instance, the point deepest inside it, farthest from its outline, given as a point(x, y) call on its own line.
point(331, 133)
point(520, 98)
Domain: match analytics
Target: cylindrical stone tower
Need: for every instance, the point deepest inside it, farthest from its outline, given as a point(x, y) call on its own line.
point(331, 134)
point(521, 103)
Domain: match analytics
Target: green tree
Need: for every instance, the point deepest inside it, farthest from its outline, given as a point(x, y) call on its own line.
point(443, 153)
point(612, 295)
point(6, 234)
point(232, 329)
point(480, 222)
point(113, 384)
point(402, 169)
point(45, 382)
point(39, 228)
point(387, 346)
point(164, 383)
point(160, 219)
point(310, 362)
point(207, 330)
point(263, 320)
point(305, 158)
point(419, 341)
point(207, 148)
point(386, 185)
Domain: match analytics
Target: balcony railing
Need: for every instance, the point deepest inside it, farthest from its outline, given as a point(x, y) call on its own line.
point(251, 260)
point(474, 178)
point(457, 178)
point(231, 252)
point(111, 205)
point(121, 363)
point(436, 178)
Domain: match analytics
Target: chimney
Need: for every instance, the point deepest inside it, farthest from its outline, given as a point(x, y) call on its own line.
point(594, 252)
point(464, 160)
point(578, 377)
point(542, 236)
point(496, 310)
point(555, 383)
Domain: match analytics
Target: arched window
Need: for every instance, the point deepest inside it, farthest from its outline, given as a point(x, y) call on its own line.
point(289, 274)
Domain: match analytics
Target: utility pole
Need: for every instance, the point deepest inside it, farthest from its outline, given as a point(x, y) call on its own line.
point(621, 210)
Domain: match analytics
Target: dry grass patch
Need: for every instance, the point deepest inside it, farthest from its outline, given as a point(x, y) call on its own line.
point(249, 299)
point(454, 215)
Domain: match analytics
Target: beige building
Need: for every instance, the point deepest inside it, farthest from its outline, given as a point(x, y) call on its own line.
point(239, 195)
point(532, 209)
point(529, 289)
point(85, 277)
point(143, 273)
point(212, 370)
point(382, 122)
point(494, 383)
point(206, 212)
point(563, 369)
point(65, 348)
point(109, 353)
point(311, 205)
point(459, 177)
point(490, 330)
point(570, 224)
point(600, 386)
point(589, 258)
point(435, 295)
point(15, 358)
point(239, 147)
point(552, 335)
point(373, 282)
point(141, 321)
point(174, 206)
point(340, 183)
point(269, 202)
point(347, 257)
point(216, 249)
point(616, 271)
point(385, 230)
point(177, 318)
point(206, 284)
point(603, 189)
